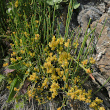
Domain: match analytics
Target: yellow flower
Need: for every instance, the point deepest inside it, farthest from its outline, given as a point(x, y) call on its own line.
point(53, 44)
point(5, 64)
point(13, 54)
point(8, 87)
point(12, 59)
point(65, 63)
point(16, 43)
point(55, 85)
point(82, 97)
point(64, 56)
point(36, 21)
point(12, 45)
point(61, 40)
point(22, 51)
point(32, 78)
point(64, 78)
point(66, 86)
point(98, 101)
point(93, 104)
point(75, 44)
point(54, 77)
point(92, 61)
point(48, 64)
point(45, 82)
point(26, 34)
point(72, 95)
point(18, 58)
point(62, 88)
point(15, 89)
point(84, 62)
point(50, 54)
point(36, 69)
point(60, 73)
point(37, 36)
point(27, 72)
point(49, 98)
point(101, 108)
point(88, 101)
point(10, 82)
point(13, 32)
point(88, 70)
point(79, 91)
point(67, 43)
point(16, 3)
point(21, 41)
point(76, 79)
point(59, 108)
point(32, 54)
point(89, 93)
point(54, 94)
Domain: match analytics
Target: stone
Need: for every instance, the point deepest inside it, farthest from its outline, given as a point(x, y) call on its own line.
point(101, 7)
point(107, 1)
point(85, 15)
point(103, 44)
point(98, 17)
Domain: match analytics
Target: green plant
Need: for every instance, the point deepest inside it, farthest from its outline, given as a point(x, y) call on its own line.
point(58, 2)
point(43, 59)
point(3, 17)
point(1, 77)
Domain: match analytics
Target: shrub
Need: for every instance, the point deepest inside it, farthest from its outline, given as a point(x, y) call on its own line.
point(43, 59)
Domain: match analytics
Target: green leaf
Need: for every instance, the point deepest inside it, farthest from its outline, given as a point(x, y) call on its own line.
point(52, 2)
point(1, 77)
point(12, 93)
point(76, 5)
point(16, 66)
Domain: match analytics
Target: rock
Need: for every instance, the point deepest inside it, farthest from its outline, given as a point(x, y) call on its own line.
point(101, 7)
point(103, 44)
point(107, 1)
point(98, 17)
point(99, 14)
point(85, 15)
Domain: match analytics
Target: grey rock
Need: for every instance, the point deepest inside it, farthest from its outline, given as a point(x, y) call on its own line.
point(101, 7)
point(107, 1)
point(86, 14)
point(103, 45)
point(99, 15)
point(109, 11)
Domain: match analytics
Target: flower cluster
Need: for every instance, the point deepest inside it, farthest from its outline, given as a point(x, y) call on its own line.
point(96, 102)
point(92, 60)
point(84, 62)
point(16, 3)
point(44, 84)
point(54, 87)
point(33, 77)
point(63, 59)
point(79, 94)
point(51, 72)
point(53, 44)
